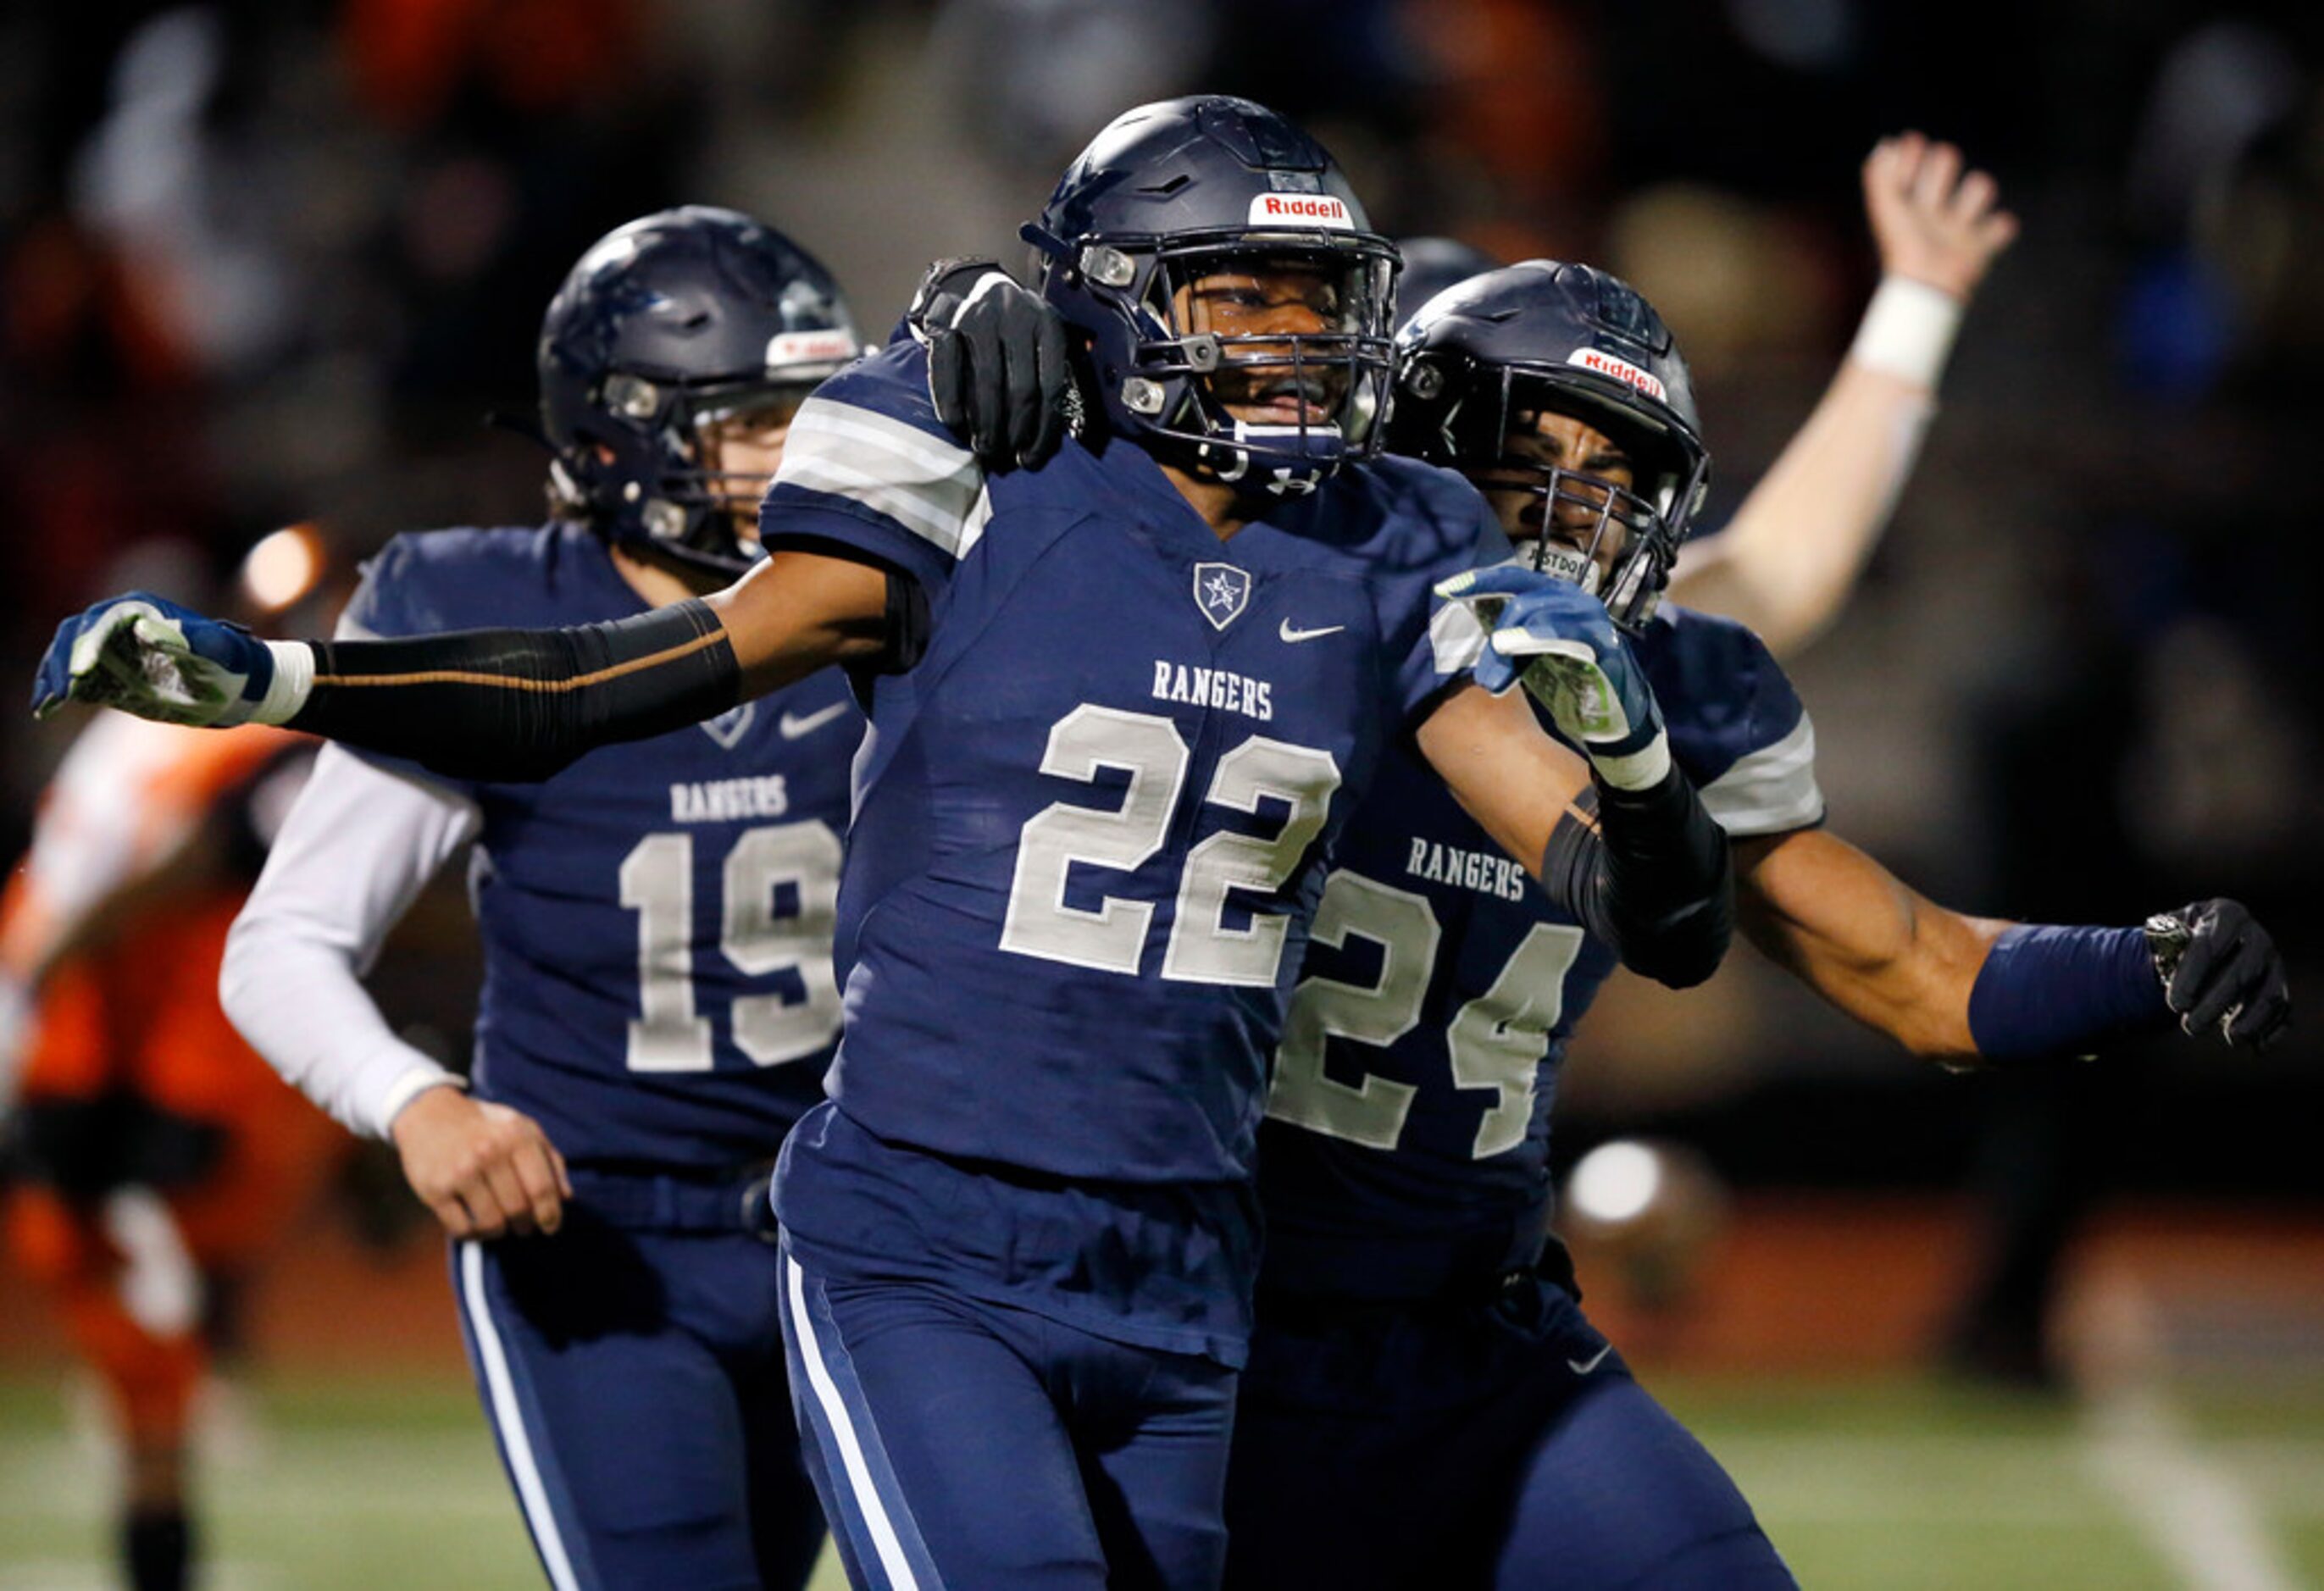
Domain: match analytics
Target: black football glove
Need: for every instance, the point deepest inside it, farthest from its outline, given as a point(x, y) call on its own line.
point(997, 370)
point(2220, 969)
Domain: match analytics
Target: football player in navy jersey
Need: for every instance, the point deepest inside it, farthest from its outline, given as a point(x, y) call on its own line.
point(1426, 1404)
point(659, 1004)
point(1121, 704)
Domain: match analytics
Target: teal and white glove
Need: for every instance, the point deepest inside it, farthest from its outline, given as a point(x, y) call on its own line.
point(1556, 639)
point(150, 656)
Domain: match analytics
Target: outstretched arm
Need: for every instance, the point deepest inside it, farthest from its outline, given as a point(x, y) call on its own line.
point(1863, 939)
point(489, 703)
point(1791, 554)
point(1963, 988)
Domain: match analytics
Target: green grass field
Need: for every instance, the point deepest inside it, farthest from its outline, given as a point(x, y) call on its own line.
point(1896, 1485)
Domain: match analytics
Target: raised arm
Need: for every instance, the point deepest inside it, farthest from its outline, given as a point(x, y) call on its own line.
point(488, 703)
point(1965, 990)
point(1791, 554)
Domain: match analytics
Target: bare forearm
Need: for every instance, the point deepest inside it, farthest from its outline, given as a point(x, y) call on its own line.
point(1794, 549)
point(1913, 984)
point(1864, 940)
point(798, 612)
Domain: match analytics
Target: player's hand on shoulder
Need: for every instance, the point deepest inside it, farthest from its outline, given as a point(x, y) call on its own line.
point(2220, 969)
point(1933, 222)
point(1558, 641)
point(999, 373)
point(148, 655)
point(485, 1169)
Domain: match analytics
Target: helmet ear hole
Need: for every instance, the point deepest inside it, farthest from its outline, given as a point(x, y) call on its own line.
point(1423, 379)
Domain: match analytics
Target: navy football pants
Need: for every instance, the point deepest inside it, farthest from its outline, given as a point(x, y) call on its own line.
point(635, 1381)
point(967, 1445)
point(1499, 1444)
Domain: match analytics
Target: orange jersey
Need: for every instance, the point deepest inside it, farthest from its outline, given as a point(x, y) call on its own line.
point(129, 937)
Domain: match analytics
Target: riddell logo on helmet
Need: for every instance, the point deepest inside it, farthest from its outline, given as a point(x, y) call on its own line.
point(808, 347)
point(1301, 209)
point(1621, 370)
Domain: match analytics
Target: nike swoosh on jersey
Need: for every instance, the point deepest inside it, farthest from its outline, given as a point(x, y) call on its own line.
point(1584, 1367)
point(1291, 633)
point(793, 727)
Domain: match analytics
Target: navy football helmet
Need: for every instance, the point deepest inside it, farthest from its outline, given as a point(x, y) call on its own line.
point(1184, 191)
point(1432, 265)
point(681, 320)
point(1482, 360)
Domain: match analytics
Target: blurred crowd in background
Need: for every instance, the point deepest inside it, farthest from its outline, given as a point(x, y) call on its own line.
point(275, 261)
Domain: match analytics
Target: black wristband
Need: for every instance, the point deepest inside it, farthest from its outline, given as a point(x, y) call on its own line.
point(1646, 871)
point(519, 704)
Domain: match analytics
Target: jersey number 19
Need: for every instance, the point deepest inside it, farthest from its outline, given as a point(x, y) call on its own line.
point(657, 883)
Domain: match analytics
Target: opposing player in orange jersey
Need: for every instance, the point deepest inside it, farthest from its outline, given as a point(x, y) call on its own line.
point(158, 1156)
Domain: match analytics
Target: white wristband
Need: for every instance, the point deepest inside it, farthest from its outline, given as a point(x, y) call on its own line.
point(294, 677)
point(1642, 769)
point(1908, 331)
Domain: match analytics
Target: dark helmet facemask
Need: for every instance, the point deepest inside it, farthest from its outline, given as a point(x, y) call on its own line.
point(1605, 538)
point(669, 329)
point(1333, 381)
point(1172, 192)
point(688, 509)
point(701, 415)
point(1184, 377)
point(1615, 542)
point(1489, 356)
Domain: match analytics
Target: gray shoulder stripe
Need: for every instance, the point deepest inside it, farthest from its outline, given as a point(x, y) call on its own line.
point(1771, 790)
point(931, 516)
point(923, 482)
point(821, 419)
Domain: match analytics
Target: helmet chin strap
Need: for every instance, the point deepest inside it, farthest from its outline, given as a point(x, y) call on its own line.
point(1229, 459)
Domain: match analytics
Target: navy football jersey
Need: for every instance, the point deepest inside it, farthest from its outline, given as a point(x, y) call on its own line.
point(1407, 1143)
point(657, 917)
point(1091, 820)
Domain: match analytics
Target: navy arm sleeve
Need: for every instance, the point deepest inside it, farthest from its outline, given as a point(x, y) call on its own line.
point(518, 704)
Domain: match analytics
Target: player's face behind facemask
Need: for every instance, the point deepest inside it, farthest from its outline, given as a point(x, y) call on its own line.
point(1564, 492)
point(1276, 329)
point(737, 443)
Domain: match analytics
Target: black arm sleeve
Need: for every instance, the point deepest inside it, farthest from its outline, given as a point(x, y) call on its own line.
point(519, 704)
point(1646, 871)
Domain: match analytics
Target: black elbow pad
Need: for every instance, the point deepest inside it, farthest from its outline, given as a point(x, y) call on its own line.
point(1646, 871)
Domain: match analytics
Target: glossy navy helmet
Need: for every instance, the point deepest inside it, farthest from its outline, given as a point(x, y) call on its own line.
point(677, 321)
point(1483, 360)
point(1432, 265)
point(1174, 194)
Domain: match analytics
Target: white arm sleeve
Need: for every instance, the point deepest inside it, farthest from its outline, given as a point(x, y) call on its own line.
point(359, 845)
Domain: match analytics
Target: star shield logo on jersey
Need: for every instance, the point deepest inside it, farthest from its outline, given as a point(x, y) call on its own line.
point(731, 725)
point(1222, 591)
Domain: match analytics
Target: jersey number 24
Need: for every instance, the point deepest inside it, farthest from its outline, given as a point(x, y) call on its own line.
point(1495, 1041)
